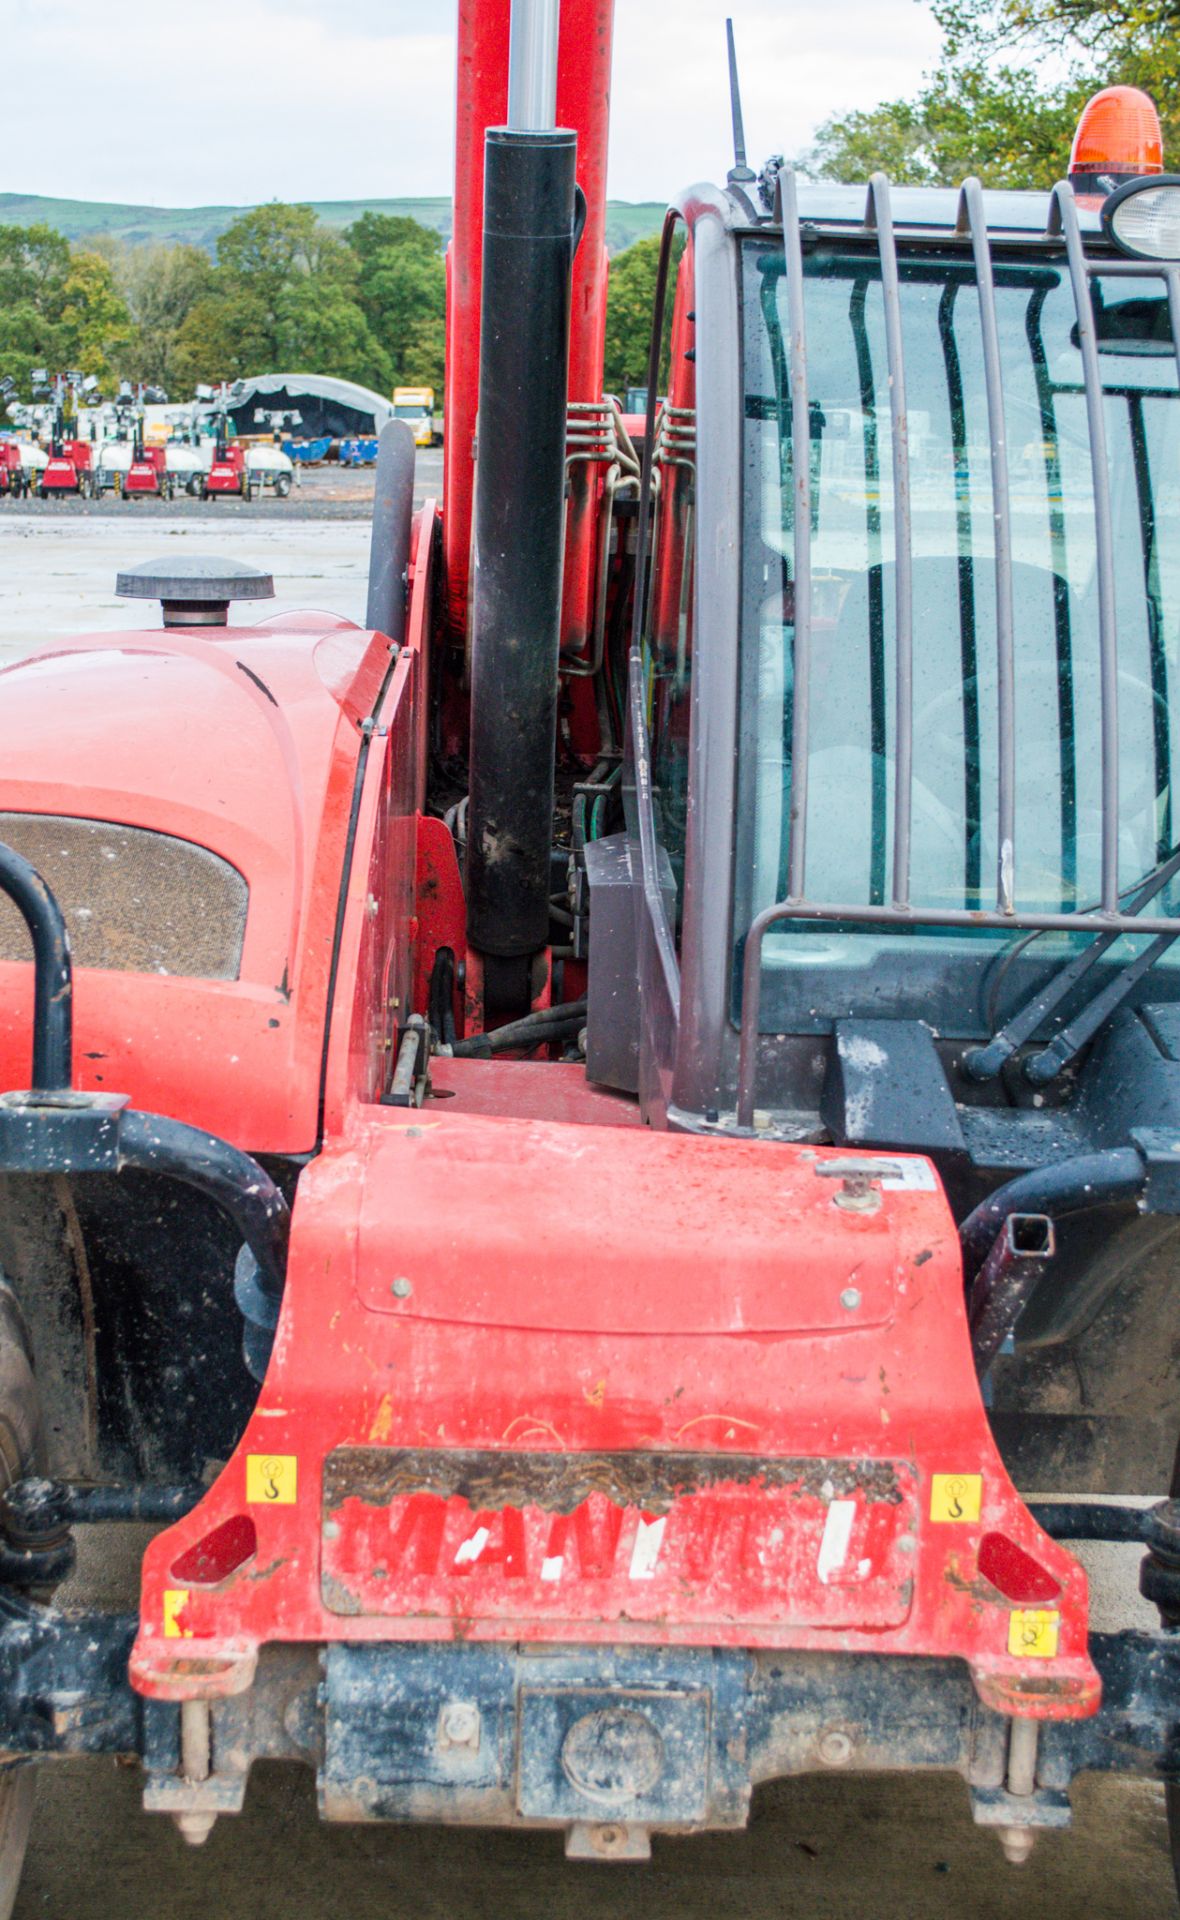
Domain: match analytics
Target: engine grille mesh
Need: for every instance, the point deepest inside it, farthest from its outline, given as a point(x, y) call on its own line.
point(134, 901)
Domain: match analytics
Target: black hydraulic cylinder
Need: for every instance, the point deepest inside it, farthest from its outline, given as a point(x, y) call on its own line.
point(517, 540)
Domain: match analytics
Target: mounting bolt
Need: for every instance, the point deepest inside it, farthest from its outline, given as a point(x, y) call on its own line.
point(835, 1747)
point(196, 1748)
point(607, 1839)
point(195, 1827)
point(850, 1298)
point(858, 1194)
point(401, 1288)
point(1018, 1843)
point(459, 1725)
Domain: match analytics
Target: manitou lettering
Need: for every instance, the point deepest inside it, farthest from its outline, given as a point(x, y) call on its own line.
point(495, 1540)
point(432, 1536)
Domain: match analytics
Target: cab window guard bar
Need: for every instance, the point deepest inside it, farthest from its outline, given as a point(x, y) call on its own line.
point(1108, 919)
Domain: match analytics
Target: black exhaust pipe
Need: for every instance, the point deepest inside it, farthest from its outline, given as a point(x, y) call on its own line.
point(529, 195)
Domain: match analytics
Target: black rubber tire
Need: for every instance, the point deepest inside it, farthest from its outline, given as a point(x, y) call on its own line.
point(282, 485)
point(22, 1451)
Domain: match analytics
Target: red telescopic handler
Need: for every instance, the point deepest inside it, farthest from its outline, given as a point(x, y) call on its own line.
point(601, 1151)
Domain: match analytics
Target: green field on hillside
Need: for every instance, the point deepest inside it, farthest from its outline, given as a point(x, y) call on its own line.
point(626, 220)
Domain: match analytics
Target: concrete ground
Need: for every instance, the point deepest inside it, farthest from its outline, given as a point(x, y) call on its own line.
point(821, 1848)
point(59, 558)
point(830, 1847)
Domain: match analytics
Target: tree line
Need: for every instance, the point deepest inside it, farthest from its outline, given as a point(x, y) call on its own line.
point(285, 292)
point(1005, 98)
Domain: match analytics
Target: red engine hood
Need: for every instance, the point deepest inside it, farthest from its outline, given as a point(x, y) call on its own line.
point(246, 744)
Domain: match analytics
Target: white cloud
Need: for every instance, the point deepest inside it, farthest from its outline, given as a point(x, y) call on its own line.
point(798, 63)
point(234, 101)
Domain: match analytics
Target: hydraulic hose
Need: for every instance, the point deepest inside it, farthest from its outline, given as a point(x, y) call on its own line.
point(546, 1025)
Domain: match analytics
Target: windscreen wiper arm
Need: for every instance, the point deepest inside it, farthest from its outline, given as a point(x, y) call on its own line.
point(1042, 1067)
point(984, 1063)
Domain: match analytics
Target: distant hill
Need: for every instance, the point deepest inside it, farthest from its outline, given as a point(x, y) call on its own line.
point(626, 220)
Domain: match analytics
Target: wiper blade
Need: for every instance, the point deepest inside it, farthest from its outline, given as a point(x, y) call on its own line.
point(984, 1063)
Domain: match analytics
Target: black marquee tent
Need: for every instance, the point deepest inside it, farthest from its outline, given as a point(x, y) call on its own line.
point(338, 408)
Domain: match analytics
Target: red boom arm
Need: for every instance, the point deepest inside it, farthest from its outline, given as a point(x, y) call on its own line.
point(583, 103)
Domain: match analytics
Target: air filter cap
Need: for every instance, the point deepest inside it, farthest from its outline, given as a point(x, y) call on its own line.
point(196, 593)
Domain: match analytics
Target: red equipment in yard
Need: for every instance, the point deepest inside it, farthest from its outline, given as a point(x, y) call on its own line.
point(625, 1284)
point(13, 478)
point(227, 471)
point(68, 469)
point(148, 473)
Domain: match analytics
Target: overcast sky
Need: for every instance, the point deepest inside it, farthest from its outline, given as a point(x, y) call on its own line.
point(237, 101)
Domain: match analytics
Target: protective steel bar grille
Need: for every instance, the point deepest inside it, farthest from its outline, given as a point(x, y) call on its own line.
point(1108, 919)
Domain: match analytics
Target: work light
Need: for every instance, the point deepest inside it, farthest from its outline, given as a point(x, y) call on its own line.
point(1143, 217)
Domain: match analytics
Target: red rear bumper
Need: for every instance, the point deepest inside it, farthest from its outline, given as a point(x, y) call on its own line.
point(570, 1384)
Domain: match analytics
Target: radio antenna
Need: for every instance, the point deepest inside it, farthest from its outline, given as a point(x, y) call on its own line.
point(739, 173)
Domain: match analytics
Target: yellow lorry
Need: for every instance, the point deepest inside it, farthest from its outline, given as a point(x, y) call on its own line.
point(416, 405)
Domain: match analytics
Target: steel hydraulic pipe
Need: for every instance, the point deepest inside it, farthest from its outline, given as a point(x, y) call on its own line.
point(532, 65)
point(583, 104)
point(517, 545)
point(389, 541)
point(53, 1022)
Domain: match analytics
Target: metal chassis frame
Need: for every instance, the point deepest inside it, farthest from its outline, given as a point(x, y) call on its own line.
point(64, 1692)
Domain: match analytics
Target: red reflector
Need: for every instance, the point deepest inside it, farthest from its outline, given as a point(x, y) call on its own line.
point(1015, 1573)
point(219, 1554)
point(1118, 138)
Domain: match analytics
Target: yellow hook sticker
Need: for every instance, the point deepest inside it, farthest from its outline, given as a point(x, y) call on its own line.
point(1033, 1633)
point(271, 1479)
point(956, 1496)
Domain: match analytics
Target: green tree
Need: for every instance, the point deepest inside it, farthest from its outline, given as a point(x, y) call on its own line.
point(1134, 41)
point(284, 293)
point(402, 290)
point(997, 123)
point(264, 248)
point(225, 335)
point(978, 113)
point(98, 327)
point(631, 293)
point(375, 233)
point(34, 268)
point(161, 285)
point(320, 330)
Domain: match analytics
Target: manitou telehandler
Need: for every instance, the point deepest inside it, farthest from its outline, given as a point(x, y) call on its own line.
point(580, 1142)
